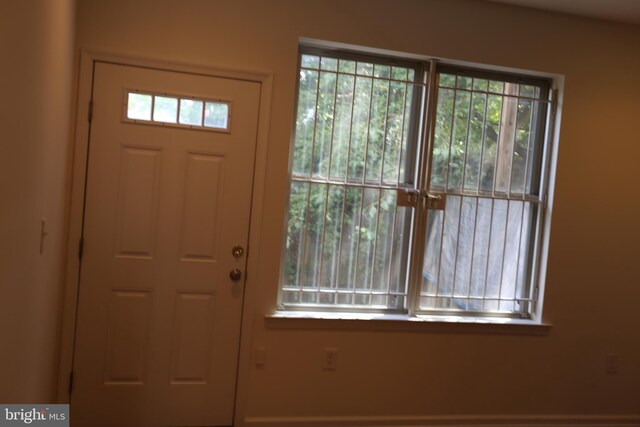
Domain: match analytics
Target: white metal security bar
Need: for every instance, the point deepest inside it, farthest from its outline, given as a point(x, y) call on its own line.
point(363, 131)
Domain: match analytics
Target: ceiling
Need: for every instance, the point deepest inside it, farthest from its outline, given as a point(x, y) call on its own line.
point(627, 11)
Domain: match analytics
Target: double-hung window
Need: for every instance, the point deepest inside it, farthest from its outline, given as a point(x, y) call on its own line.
point(415, 187)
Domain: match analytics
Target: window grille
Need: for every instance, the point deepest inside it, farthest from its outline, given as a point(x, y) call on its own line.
point(487, 159)
point(364, 137)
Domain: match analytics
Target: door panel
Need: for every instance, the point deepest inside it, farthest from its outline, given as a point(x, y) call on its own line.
point(191, 340)
point(127, 347)
point(158, 316)
point(137, 201)
point(200, 226)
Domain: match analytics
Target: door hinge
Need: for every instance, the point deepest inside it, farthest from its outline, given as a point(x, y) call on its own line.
point(90, 114)
point(70, 382)
point(246, 269)
point(81, 247)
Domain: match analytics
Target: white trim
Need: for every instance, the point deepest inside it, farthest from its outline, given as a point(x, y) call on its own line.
point(255, 233)
point(408, 56)
point(76, 203)
point(81, 140)
point(538, 235)
point(450, 421)
point(403, 323)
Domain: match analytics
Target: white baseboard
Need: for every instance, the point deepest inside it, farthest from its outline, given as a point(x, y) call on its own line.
point(450, 421)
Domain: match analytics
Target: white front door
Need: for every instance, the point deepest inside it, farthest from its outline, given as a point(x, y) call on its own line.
point(159, 315)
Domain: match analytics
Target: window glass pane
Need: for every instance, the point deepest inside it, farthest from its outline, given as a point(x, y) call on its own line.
point(460, 140)
point(292, 274)
point(329, 64)
point(473, 152)
point(216, 115)
point(396, 139)
point(305, 121)
point(364, 69)
point(382, 71)
point(332, 237)
point(447, 80)
point(324, 124)
point(398, 73)
point(496, 87)
point(525, 138)
point(342, 126)
point(165, 109)
point(190, 112)
point(377, 130)
point(477, 249)
point(475, 256)
point(528, 91)
point(346, 66)
point(480, 85)
point(463, 82)
point(359, 128)
point(442, 142)
point(139, 106)
point(310, 61)
point(313, 235)
point(406, 162)
point(348, 266)
point(490, 147)
point(346, 236)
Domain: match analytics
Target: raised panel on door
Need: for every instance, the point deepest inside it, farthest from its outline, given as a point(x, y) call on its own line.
point(192, 338)
point(200, 233)
point(127, 337)
point(138, 186)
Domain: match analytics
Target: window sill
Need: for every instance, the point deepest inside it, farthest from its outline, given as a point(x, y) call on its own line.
point(403, 323)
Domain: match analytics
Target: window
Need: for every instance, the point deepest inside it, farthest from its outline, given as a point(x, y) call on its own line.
point(415, 188)
point(176, 111)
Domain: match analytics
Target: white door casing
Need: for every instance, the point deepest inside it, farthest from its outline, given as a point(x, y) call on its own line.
point(158, 322)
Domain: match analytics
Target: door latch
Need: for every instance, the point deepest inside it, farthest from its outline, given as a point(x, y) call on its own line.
point(409, 197)
point(436, 201)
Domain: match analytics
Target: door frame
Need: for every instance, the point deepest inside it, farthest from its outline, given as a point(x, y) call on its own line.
point(80, 137)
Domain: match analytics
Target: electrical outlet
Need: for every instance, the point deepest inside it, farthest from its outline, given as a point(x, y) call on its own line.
point(612, 363)
point(330, 360)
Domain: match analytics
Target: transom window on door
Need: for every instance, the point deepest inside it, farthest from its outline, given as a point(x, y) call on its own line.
point(176, 111)
point(415, 188)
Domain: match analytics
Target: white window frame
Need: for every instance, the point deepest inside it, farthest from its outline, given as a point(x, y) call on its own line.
point(417, 246)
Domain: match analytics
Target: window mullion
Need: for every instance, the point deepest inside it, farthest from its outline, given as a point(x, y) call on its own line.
point(423, 177)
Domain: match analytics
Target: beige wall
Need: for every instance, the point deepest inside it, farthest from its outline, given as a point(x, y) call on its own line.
point(592, 281)
point(35, 83)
